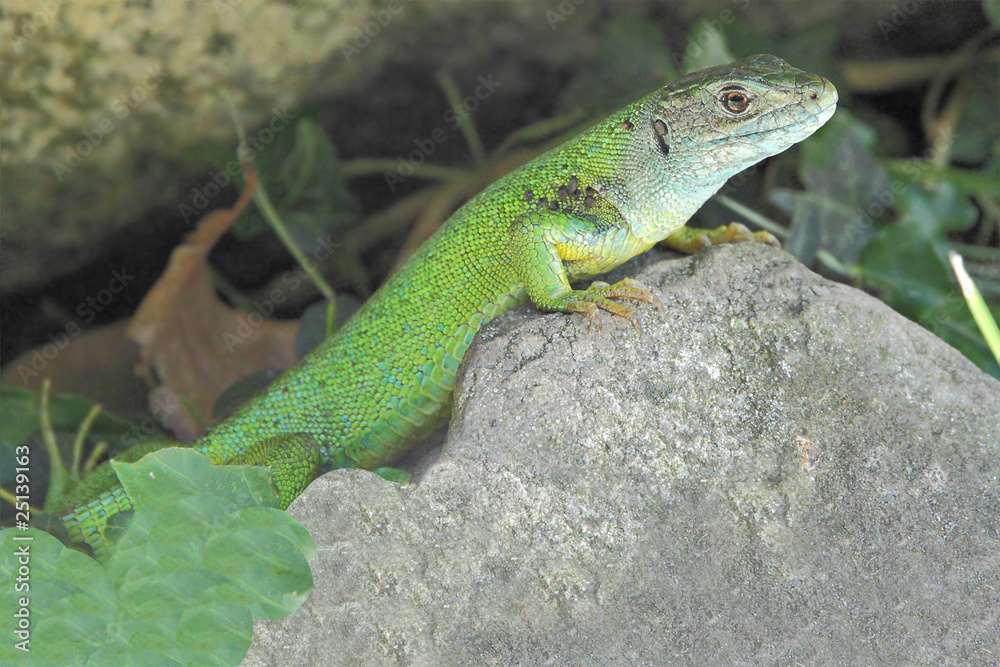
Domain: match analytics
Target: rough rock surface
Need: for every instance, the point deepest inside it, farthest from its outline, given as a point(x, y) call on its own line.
point(780, 470)
point(103, 98)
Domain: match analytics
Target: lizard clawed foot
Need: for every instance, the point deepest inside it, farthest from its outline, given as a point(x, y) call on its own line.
point(691, 240)
point(735, 232)
point(599, 297)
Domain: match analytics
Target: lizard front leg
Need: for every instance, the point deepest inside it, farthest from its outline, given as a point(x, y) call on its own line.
point(541, 242)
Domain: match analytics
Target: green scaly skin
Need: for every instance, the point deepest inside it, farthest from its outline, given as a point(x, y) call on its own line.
point(386, 378)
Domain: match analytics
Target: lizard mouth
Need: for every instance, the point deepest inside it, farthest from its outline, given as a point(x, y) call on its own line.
point(813, 119)
point(826, 111)
point(810, 123)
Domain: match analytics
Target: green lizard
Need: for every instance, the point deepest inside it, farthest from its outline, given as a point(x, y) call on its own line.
point(385, 379)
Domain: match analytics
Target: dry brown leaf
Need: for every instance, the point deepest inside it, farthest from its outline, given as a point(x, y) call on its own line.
point(193, 346)
point(97, 363)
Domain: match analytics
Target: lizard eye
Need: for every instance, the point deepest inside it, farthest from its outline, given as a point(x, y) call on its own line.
point(734, 100)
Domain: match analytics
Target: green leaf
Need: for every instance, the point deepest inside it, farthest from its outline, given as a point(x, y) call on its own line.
point(904, 262)
point(103, 477)
point(19, 419)
point(204, 554)
point(174, 474)
point(968, 182)
point(907, 264)
point(20, 425)
point(200, 627)
point(937, 208)
point(71, 600)
point(265, 545)
point(849, 193)
point(302, 174)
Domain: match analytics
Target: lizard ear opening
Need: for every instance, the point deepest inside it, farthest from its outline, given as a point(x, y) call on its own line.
point(660, 130)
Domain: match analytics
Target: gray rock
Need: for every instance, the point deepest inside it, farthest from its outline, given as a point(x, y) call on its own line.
point(780, 470)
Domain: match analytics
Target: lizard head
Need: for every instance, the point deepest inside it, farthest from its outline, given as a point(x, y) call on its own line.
point(726, 118)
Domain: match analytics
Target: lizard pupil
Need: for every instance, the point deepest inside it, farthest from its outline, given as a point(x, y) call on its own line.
point(735, 102)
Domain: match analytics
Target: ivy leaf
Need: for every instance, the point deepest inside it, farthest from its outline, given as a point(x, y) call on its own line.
point(302, 174)
point(848, 194)
point(204, 555)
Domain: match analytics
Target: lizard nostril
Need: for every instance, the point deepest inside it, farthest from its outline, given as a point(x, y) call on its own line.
point(813, 94)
